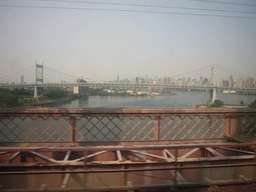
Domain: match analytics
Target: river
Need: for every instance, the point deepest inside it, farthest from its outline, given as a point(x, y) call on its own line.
point(183, 99)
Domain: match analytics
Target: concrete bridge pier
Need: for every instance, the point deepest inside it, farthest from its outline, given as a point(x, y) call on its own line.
point(35, 92)
point(213, 95)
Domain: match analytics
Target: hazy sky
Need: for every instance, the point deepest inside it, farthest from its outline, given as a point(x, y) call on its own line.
point(75, 38)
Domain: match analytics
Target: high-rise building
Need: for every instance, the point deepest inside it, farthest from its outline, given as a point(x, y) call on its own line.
point(21, 79)
point(201, 80)
point(168, 80)
point(117, 79)
point(240, 83)
point(136, 79)
point(220, 83)
point(225, 83)
point(230, 82)
point(249, 83)
point(205, 81)
point(142, 80)
point(188, 80)
point(165, 80)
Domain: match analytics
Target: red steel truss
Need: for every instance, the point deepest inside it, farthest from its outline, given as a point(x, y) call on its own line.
point(123, 149)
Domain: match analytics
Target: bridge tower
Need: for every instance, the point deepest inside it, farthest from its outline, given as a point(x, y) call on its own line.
point(213, 82)
point(38, 77)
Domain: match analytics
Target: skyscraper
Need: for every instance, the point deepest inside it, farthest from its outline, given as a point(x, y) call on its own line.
point(21, 79)
point(240, 83)
point(249, 82)
point(220, 83)
point(230, 82)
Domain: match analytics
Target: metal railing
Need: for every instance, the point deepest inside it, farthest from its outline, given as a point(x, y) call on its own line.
point(104, 125)
point(47, 157)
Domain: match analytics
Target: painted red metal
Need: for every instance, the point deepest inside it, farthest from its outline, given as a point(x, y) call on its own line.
point(115, 149)
point(99, 125)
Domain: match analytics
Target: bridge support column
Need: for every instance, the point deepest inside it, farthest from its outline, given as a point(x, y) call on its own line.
point(35, 92)
point(213, 95)
point(232, 125)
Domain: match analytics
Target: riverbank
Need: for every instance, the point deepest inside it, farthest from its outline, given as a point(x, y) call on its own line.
point(51, 103)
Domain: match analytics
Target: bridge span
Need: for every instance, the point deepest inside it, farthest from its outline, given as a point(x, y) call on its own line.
point(55, 149)
point(46, 77)
point(115, 85)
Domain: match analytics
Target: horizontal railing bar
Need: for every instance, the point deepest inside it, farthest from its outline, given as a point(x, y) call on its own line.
point(125, 148)
point(113, 143)
point(5, 112)
point(178, 186)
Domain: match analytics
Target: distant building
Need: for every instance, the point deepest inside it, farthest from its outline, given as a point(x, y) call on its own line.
point(136, 79)
point(240, 83)
point(21, 79)
point(231, 82)
point(126, 80)
point(80, 89)
point(201, 80)
point(249, 83)
point(225, 83)
point(220, 83)
point(167, 80)
point(142, 80)
point(188, 80)
point(205, 81)
point(117, 79)
point(79, 80)
point(173, 80)
point(152, 89)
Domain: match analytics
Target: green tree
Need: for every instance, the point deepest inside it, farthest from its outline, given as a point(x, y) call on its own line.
point(253, 104)
point(216, 103)
point(56, 94)
point(22, 91)
point(8, 98)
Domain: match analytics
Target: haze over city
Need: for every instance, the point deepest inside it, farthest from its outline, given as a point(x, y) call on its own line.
point(103, 39)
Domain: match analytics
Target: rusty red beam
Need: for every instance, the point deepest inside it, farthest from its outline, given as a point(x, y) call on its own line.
point(114, 170)
point(123, 111)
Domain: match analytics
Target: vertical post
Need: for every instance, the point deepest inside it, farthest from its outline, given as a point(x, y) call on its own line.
point(157, 128)
point(176, 165)
point(226, 126)
point(254, 168)
point(232, 125)
point(72, 128)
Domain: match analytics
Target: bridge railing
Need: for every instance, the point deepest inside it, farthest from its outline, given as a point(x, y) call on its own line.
point(105, 125)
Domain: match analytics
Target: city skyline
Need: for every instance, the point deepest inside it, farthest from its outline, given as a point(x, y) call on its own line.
point(151, 38)
point(201, 81)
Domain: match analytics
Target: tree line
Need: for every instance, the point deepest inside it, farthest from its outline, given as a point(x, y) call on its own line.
point(16, 97)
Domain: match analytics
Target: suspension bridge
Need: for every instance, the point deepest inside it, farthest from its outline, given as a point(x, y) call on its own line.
point(219, 79)
point(78, 149)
